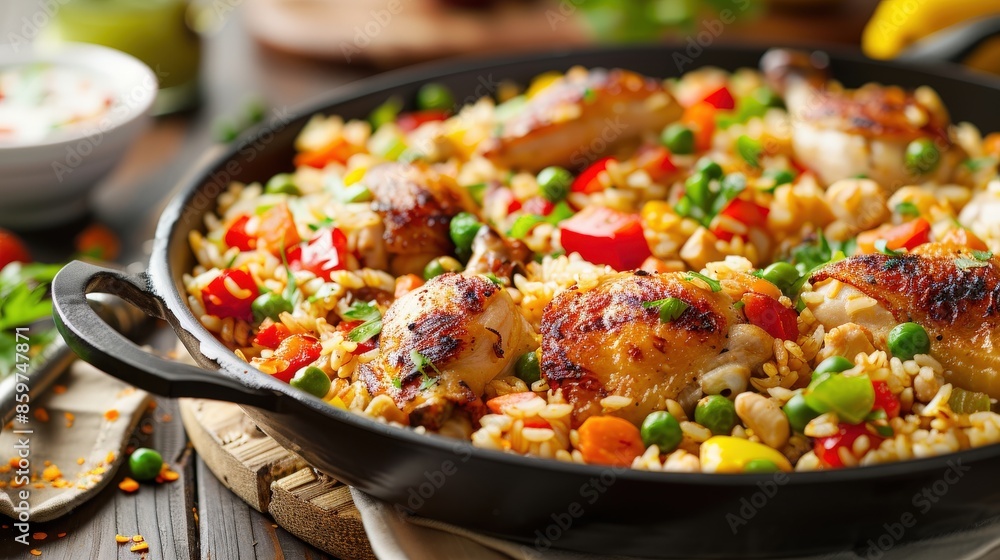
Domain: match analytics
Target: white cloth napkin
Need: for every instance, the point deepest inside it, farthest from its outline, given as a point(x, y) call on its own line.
point(80, 429)
point(397, 536)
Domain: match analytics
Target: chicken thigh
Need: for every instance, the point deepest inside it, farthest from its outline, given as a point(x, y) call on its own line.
point(604, 341)
point(443, 342)
point(952, 292)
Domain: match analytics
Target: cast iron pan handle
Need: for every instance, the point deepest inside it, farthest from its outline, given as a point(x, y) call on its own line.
point(954, 43)
point(96, 342)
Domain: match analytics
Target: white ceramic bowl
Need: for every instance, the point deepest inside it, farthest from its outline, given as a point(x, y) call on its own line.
point(48, 182)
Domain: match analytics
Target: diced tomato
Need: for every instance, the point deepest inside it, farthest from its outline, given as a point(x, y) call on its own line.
point(537, 205)
point(12, 249)
point(536, 422)
point(605, 236)
point(338, 151)
point(656, 162)
point(277, 228)
point(701, 117)
point(964, 238)
point(271, 335)
point(828, 448)
point(98, 241)
point(904, 236)
point(587, 181)
point(325, 253)
point(237, 236)
point(298, 350)
point(408, 122)
point(346, 327)
point(768, 314)
point(498, 404)
point(230, 294)
point(502, 197)
point(885, 400)
point(721, 99)
point(751, 214)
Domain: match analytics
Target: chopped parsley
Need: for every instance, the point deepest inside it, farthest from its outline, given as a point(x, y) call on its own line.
point(714, 284)
point(421, 362)
point(669, 308)
point(324, 223)
point(812, 255)
point(24, 300)
point(982, 255)
point(369, 313)
point(907, 209)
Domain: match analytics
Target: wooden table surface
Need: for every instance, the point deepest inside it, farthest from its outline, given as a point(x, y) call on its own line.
point(194, 517)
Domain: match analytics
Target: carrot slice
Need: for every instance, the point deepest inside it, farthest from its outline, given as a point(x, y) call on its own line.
point(498, 404)
point(964, 238)
point(702, 118)
point(406, 284)
point(904, 236)
point(609, 440)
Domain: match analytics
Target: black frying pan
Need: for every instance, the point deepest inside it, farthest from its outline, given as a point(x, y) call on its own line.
point(541, 503)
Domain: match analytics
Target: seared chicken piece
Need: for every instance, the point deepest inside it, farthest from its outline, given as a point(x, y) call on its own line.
point(442, 343)
point(583, 116)
point(602, 342)
point(953, 293)
point(845, 133)
point(416, 204)
point(492, 254)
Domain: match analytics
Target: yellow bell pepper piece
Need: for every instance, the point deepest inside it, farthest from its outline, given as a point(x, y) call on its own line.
point(354, 176)
point(337, 402)
point(659, 216)
point(727, 454)
point(542, 82)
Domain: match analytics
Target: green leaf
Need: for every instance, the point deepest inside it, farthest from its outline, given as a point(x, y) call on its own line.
point(421, 362)
point(397, 382)
point(493, 278)
point(372, 317)
point(23, 306)
point(882, 246)
point(908, 209)
point(669, 308)
point(15, 274)
point(966, 263)
point(749, 149)
point(982, 255)
point(365, 331)
point(324, 223)
point(712, 283)
point(292, 292)
point(523, 225)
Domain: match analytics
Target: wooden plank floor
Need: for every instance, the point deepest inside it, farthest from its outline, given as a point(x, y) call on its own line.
point(194, 517)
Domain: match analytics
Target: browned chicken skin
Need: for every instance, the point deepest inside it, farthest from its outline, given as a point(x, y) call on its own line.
point(416, 204)
point(953, 294)
point(466, 326)
point(582, 117)
point(602, 342)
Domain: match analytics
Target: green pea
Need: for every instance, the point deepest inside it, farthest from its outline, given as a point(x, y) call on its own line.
point(798, 412)
point(783, 275)
point(662, 429)
point(922, 156)
point(386, 112)
point(717, 413)
point(760, 466)
point(554, 183)
point(435, 96)
point(527, 368)
point(711, 169)
point(834, 364)
point(463, 229)
point(697, 189)
point(907, 340)
point(312, 380)
point(282, 183)
point(678, 138)
point(270, 305)
point(440, 265)
point(145, 463)
point(850, 397)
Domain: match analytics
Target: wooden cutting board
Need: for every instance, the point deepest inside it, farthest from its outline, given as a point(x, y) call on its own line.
point(310, 505)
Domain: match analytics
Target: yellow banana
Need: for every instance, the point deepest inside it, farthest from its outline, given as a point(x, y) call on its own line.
point(897, 24)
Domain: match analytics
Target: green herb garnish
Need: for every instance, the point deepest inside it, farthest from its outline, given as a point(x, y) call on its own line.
point(882, 246)
point(908, 209)
point(715, 285)
point(669, 308)
point(372, 317)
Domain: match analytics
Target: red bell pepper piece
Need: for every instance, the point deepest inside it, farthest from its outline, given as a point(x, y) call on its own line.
point(751, 214)
point(721, 99)
point(537, 205)
point(498, 404)
point(298, 350)
point(768, 314)
point(270, 336)
point(233, 298)
point(346, 327)
point(587, 182)
point(337, 151)
point(237, 236)
point(12, 249)
point(605, 236)
point(828, 448)
point(408, 122)
point(656, 162)
point(325, 253)
point(885, 400)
